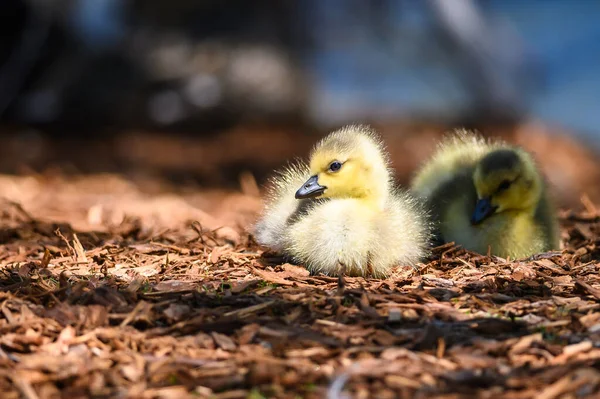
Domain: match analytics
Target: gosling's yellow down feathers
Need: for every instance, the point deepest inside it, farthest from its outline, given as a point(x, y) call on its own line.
point(343, 210)
point(488, 195)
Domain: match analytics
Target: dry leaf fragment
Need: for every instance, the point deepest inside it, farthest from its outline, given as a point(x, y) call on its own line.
point(173, 285)
point(295, 271)
point(525, 343)
point(176, 311)
point(79, 250)
point(398, 381)
point(223, 341)
point(570, 383)
point(276, 278)
point(247, 333)
point(548, 264)
point(571, 350)
point(595, 292)
point(46, 259)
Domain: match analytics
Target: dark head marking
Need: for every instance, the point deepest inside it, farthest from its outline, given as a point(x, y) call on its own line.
point(499, 159)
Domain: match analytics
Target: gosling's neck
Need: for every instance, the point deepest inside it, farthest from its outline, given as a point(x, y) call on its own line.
point(508, 221)
point(512, 233)
point(374, 197)
point(373, 193)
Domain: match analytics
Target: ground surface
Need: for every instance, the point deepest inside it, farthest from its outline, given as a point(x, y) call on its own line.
point(110, 288)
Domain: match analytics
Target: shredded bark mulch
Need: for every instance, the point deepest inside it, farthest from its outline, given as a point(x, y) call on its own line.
point(108, 290)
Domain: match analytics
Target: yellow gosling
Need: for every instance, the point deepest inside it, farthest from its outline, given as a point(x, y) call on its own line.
point(342, 212)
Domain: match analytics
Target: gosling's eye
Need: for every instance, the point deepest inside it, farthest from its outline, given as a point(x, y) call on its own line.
point(504, 185)
point(335, 166)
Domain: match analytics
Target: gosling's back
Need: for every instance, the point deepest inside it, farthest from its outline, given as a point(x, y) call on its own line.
point(456, 155)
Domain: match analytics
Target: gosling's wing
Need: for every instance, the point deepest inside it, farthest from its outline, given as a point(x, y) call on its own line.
point(451, 204)
point(403, 233)
point(280, 205)
point(457, 151)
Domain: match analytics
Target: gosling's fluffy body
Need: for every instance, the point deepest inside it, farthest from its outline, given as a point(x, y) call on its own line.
point(367, 241)
point(360, 221)
point(466, 168)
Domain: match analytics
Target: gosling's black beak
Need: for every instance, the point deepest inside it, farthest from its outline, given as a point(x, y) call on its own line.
point(310, 189)
point(483, 210)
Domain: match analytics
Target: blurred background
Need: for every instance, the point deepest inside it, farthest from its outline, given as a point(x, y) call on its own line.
point(204, 92)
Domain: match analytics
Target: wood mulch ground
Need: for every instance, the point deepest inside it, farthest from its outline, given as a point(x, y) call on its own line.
point(110, 288)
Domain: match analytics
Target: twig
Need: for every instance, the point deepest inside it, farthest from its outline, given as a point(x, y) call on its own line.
point(183, 360)
point(441, 347)
point(341, 280)
point(58, 233)
point(250, 309)
point(136, 311)
point(336, 387)
point(197, 227)
point(595, 292)
point(25, 387)
point(589, 205)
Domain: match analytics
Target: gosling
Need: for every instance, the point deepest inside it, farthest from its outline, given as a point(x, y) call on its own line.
point(342, 213)
point(488, 197)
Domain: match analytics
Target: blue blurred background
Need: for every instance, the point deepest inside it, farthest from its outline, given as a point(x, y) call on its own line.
point(452, 58)
point(204, 63)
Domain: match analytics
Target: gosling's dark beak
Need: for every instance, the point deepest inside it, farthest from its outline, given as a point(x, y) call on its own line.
point(310, 189)
point(483, 210)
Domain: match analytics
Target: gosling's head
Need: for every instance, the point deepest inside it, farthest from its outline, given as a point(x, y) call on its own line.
point(348, 163)
point(506, 180)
